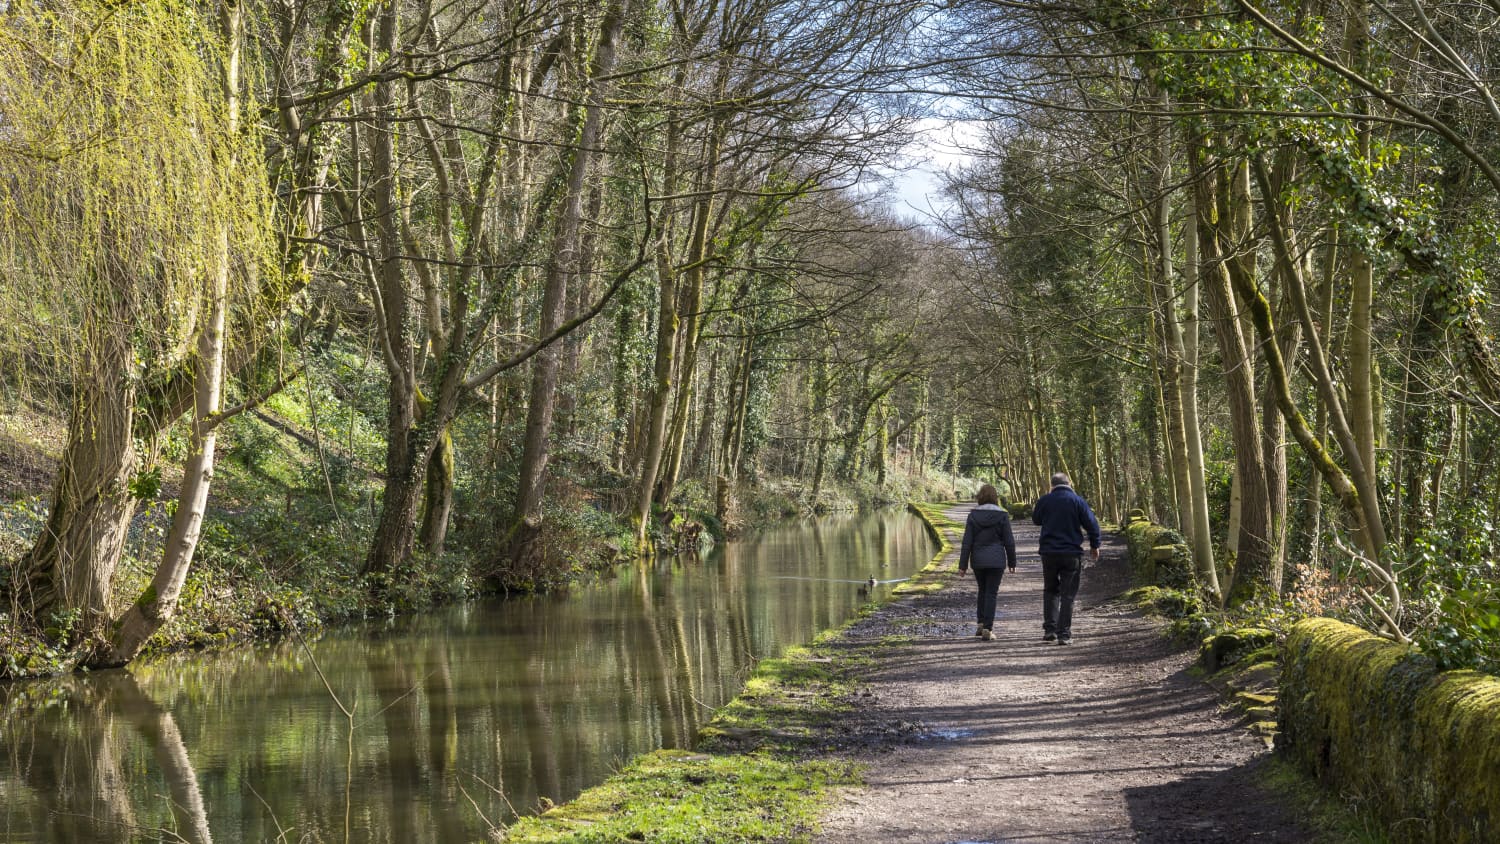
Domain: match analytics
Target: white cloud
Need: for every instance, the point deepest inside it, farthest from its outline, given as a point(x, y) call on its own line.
point(941, 146)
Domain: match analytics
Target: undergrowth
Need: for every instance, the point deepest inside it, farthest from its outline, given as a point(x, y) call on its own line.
point(1335, 819)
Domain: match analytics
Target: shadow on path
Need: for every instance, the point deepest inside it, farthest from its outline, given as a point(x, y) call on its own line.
point(1019, 740)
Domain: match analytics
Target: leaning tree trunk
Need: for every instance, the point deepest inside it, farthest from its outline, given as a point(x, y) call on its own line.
point(156, 606)
point(1357, 489)
point(72, 565)
point(563, 263)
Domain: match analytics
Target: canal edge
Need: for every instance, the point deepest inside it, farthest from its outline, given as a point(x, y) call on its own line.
point(759, 765)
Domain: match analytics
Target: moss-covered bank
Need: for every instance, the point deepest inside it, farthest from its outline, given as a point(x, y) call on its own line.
point(938, 525)
point(1378, 721)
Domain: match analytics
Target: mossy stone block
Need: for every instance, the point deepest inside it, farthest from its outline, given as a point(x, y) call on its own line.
point(1254, 675)
point(1229, 647)
point(1158, 555)
point(1261, 714)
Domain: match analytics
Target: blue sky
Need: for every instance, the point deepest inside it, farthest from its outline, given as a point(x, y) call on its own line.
point(939, 148)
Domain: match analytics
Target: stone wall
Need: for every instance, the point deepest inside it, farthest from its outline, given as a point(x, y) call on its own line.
point(1159, 556)
point(1418, 747)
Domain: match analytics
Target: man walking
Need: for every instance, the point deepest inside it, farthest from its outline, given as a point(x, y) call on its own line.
point(1065, 517)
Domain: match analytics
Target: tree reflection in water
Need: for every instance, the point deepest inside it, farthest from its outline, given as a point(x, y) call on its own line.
point(458, 714)
point(73, 762)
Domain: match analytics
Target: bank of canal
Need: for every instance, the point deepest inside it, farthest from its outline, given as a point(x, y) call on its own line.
point(457, 721)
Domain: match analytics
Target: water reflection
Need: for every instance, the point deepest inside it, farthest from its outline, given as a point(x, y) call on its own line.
point(433, 728)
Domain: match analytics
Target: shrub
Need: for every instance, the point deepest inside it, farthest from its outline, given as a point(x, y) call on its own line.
point(1451, 577)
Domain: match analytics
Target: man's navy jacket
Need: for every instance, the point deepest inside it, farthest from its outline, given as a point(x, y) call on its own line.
point(1065, 517)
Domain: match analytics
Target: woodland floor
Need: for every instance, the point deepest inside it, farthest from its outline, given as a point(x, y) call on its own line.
point(1020, 740)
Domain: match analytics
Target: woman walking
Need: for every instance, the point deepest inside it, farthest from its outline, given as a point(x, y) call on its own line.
point(990, 548)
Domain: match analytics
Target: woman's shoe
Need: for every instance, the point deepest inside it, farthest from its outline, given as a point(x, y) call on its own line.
point(985, 634)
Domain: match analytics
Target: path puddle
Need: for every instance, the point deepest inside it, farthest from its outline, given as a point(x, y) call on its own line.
point(953, 735)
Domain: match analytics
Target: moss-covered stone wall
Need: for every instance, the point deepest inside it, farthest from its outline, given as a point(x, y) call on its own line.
point(1159, 556)
point(1377, 721)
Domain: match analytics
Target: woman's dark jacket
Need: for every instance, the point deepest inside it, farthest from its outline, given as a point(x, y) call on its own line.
point(988, 541)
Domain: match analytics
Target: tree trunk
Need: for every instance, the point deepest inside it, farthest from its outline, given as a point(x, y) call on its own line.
point(692, 299)
point(1096, 469)
point(562, 263)
point(574, 343)
point(1356, 489)
point(396, 528)
point(621, 395)
point(1223, 221)
point(156, 606)
point(72, 564)
point(735, 453)
point(704, 440)
point(1273, 444)
point(1159, 284)
point(1201, 535)
point(1160, 505)
point(656, 427)
point(822, 428)
point(1360, 379)
point(437, 503)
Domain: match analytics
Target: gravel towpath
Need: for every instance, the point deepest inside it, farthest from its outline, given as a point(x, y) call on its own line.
point(1019, 740)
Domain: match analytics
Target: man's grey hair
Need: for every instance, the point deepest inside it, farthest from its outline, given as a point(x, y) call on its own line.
point(1061, 479)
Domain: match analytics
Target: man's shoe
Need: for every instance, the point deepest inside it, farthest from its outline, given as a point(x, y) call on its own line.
point(1065, 640)
point(985, 634)
point(1049, 637)
point(979, 632)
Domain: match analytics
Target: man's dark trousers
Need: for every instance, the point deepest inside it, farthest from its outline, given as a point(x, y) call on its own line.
point(1060, 574)
point(989, 586)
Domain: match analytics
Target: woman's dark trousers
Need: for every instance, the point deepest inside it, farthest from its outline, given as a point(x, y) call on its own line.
point(989, 586)
point(1059, 587)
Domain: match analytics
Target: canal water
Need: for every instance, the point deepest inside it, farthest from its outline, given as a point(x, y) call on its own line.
point(435, 728)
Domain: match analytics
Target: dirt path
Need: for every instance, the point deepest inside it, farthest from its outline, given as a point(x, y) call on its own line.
point(1020, 740)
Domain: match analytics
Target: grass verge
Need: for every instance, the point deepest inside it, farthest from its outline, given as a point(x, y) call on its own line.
point(753, 776)
point(1334, 819)
point(944, 531)
point(673, 796)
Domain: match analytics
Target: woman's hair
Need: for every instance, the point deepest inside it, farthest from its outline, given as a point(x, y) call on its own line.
point(987, 495)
